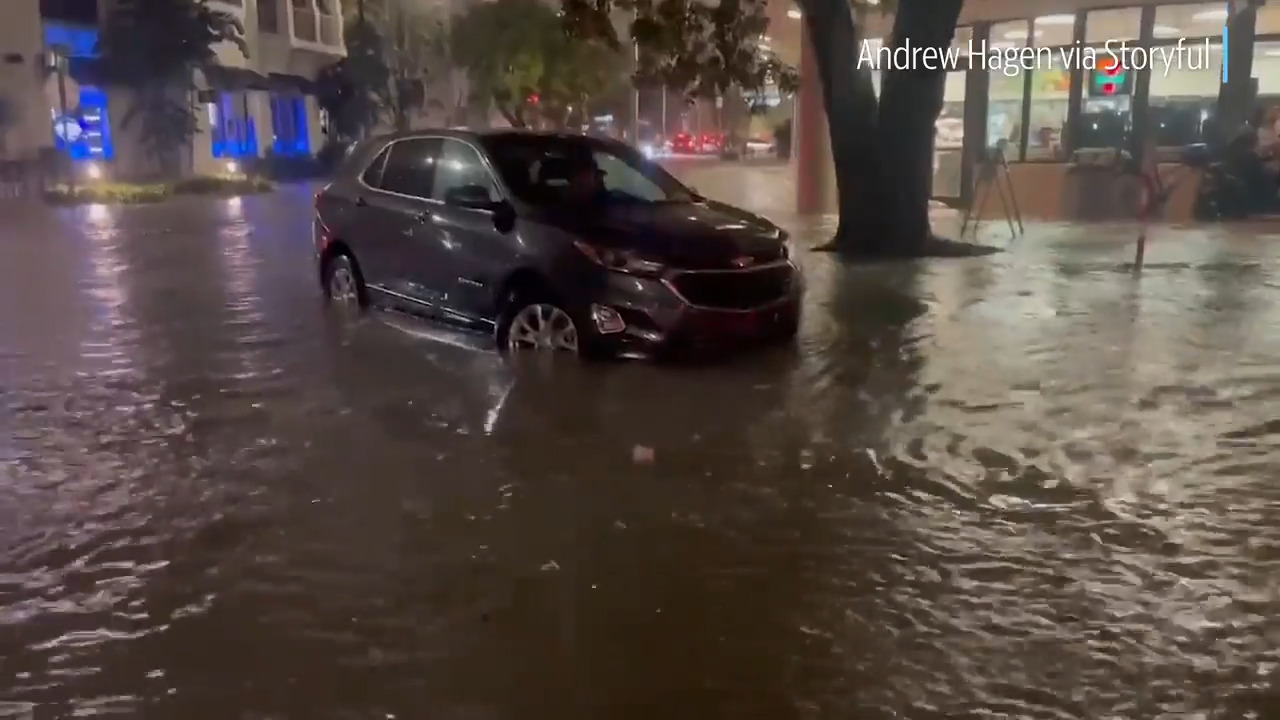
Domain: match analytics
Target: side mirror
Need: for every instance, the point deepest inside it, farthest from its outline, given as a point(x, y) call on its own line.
point(475, 197)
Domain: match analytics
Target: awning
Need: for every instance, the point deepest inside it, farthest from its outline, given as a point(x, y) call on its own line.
point(221, 77)
point(281, 82)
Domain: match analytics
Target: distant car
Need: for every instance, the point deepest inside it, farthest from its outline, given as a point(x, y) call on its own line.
point(685, 144)
point(711, 144)
point(550, 242)
point(761, 146)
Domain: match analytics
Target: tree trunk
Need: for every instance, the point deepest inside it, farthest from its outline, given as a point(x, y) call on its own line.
point(848, 97)
point(513, 116)
point(883, 150)
point(909, 105)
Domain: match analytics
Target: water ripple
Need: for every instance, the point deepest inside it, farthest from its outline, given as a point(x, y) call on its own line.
point(1026, 486)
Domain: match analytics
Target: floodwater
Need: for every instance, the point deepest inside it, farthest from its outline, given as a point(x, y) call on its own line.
point(1021, 486)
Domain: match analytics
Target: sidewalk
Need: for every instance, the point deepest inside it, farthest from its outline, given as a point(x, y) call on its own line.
point(763, 186)
point(769, 189)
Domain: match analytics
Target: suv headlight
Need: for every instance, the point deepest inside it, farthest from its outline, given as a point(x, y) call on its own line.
point(621, 261)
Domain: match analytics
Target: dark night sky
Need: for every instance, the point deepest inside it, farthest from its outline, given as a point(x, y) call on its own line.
point(76, 11)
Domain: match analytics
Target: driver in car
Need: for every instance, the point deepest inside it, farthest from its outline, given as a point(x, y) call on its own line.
point(586, 179)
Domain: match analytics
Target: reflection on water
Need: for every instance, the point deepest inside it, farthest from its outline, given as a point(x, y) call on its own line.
point(1022, 486)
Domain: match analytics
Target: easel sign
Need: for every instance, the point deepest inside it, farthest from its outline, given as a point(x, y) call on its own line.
point(993, 170)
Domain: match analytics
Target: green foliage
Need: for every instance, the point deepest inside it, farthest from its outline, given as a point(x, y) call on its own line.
point(414, 40)
point(391, 49)
point(513, 50)
point(153, 48)
point(349, 89)
point(108, 193)
point(690, 47)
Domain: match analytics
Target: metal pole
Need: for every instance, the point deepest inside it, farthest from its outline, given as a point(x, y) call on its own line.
point(61, 66)
point(635, 105)
point(664, 112)
point(1144, 216)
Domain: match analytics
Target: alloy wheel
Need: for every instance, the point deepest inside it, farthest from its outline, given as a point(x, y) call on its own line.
point(543, 327)
point(343, 288)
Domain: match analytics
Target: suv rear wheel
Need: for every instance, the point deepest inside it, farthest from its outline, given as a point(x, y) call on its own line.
point(343, 285)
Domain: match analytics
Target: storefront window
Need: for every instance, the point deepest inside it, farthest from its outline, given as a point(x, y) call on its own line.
point(1189, 21)
point(1183, 98)
point(1005, 96)
point(1050, 97)
point(232, 130)
point(1010, 34)
point(1051, 30)
point(289, 126)
point(1106, 113)
point(948, 149)
point(1266, 68)
point(1103, 25)
point(1268, 20)
point(962, 40)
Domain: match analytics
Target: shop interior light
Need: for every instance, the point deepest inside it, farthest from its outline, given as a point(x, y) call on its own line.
point(1056, 20)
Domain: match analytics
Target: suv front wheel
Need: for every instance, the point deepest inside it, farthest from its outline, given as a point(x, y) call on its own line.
point(536, 323)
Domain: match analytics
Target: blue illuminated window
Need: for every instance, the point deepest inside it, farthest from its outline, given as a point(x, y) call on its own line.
point(232, 130)
point(289, 126)
point(84, 132)
point(79, 41)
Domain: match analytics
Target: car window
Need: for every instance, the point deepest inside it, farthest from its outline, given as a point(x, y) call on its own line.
point(460, 165)
point(410, 168)
point(537, 169)
point(622, 178)
point(372, 175)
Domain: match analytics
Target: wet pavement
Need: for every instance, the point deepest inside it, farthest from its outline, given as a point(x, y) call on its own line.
point(1022, 486)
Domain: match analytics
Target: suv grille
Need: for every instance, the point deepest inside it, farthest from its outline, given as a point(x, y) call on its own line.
point(735, 290)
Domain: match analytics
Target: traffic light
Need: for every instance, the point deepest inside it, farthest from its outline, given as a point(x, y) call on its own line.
point(1109, 78)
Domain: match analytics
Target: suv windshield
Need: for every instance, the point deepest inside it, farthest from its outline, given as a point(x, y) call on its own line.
point(559, 169)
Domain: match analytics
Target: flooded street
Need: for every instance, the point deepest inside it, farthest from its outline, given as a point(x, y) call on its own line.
point(1022, 486)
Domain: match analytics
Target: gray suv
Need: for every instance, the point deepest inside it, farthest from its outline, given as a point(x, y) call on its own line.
point(552, 242)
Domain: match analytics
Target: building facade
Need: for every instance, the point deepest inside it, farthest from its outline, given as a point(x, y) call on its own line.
point(1054, 119)
point(251, 105)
